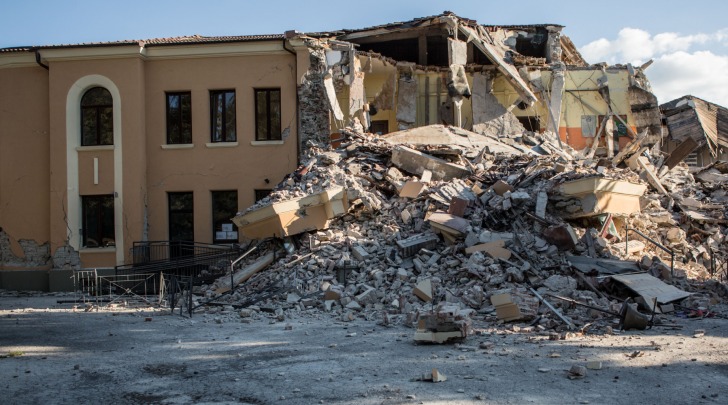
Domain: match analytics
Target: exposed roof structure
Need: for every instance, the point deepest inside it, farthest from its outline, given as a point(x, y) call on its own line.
point(692, 117)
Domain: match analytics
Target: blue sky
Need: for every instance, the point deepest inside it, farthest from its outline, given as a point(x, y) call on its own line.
point(688, 41)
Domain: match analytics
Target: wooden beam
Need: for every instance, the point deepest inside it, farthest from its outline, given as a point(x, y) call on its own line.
point(681, 152)
point(422, 50)
point(384, 35)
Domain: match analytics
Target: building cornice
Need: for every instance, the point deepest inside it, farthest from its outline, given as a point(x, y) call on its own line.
point(214, 50)
point(91, 52)
point(17, 60)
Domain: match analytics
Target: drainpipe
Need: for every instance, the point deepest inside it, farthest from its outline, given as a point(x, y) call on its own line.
point(298, 123)
point(37, 60)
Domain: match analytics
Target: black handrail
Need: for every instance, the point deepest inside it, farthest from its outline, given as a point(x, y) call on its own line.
point(668, 250)
point(153, 251)
point(191, 260)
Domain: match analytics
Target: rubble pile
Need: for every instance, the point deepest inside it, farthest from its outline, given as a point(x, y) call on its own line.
point(522, 234)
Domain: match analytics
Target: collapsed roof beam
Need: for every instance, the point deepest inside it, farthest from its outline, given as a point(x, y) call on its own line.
point(497, 56)
point(382, 35)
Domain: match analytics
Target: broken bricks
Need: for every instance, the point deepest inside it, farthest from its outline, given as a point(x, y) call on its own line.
point(455, 241)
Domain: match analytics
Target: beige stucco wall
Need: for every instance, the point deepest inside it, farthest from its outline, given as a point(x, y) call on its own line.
point(126, 74)
point(206, 167)
point(24, 155)
point(44, 171)
point(582, 98)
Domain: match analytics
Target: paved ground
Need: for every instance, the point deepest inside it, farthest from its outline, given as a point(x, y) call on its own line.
point(52, 354)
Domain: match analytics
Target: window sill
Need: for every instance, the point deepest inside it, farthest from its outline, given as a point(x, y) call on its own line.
point(94, 148)
point(221, 144)
point(266, 143)
point(173, 146)
point(109, 249)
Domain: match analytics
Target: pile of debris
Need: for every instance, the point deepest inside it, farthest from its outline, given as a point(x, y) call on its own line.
point(439, 224)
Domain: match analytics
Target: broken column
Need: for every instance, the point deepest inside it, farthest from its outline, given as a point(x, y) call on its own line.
point(406, 100)
point(457, 89)
point(557, 92)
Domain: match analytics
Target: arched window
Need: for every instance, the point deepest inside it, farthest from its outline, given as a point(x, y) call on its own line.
point(97, 117)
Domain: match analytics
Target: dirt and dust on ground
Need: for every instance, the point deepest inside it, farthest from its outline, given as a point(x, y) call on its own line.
point(54, 353)
point(551, 276)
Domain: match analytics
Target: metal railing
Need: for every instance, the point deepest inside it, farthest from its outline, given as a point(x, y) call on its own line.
point(154, 251)
point(665, 249)
point(185, 259)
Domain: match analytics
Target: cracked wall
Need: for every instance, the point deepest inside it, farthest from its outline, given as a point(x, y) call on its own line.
point(23, 253)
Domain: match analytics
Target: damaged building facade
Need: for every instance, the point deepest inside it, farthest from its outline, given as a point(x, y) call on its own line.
point(492, 80)
point(697, 132)
point(104, 145)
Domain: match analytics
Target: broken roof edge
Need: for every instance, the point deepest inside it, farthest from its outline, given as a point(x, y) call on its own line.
point(470, 68)
point(667, 105)
point(413, 23)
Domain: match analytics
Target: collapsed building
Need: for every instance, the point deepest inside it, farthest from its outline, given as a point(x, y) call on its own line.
point(697, 132)
point(431, 165)
point(493, 80)
point(479, 171)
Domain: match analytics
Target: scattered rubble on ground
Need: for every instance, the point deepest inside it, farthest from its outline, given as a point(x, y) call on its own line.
point(404, 228)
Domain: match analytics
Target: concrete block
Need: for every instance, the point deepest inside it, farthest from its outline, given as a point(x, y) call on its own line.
point(423, 290)
point(417, 162)
point(359, 253)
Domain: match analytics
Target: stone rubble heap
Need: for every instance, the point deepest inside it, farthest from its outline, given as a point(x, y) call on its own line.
point(501, 235)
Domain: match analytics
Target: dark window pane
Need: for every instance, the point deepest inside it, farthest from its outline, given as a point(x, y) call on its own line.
point(261, 194)
point(179, 118)
point(267, 114)
point(181, 217)
point(97, 117)
point(275, 114)
point(224, 208)
point(98, 221)
point(222, 116)
point(217, 116)
point(261, 119)
point(106, 126)
point(186, 118)
point(88, 126)
point(96, 97)
point(230, 117)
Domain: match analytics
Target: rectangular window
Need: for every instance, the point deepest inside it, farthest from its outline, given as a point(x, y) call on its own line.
point(222, 116)
point(224, 208)
point(179, 118)
point(261, 194)
point(268, 114)
point(98, 221)
point(181, 224)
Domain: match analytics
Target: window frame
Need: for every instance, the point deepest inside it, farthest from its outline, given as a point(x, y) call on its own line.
point(183, 139)
point(268, 129)
point(225, 136)
point(100, 231)
point(98, 109)
point(214, 205)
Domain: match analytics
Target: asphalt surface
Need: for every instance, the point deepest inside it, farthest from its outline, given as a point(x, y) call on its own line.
point(53, 354)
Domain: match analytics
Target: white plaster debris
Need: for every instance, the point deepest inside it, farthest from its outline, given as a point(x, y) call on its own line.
point(367, 264)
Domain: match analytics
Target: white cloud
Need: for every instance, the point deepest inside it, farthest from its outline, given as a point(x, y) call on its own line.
point(702, 74)
point(683, 64)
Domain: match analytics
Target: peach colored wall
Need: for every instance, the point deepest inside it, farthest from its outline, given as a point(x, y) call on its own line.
point(203, 169)
point(86, 184)
point(33, 201)
point(126, 74)
point(24, 164)
point(98, 258)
